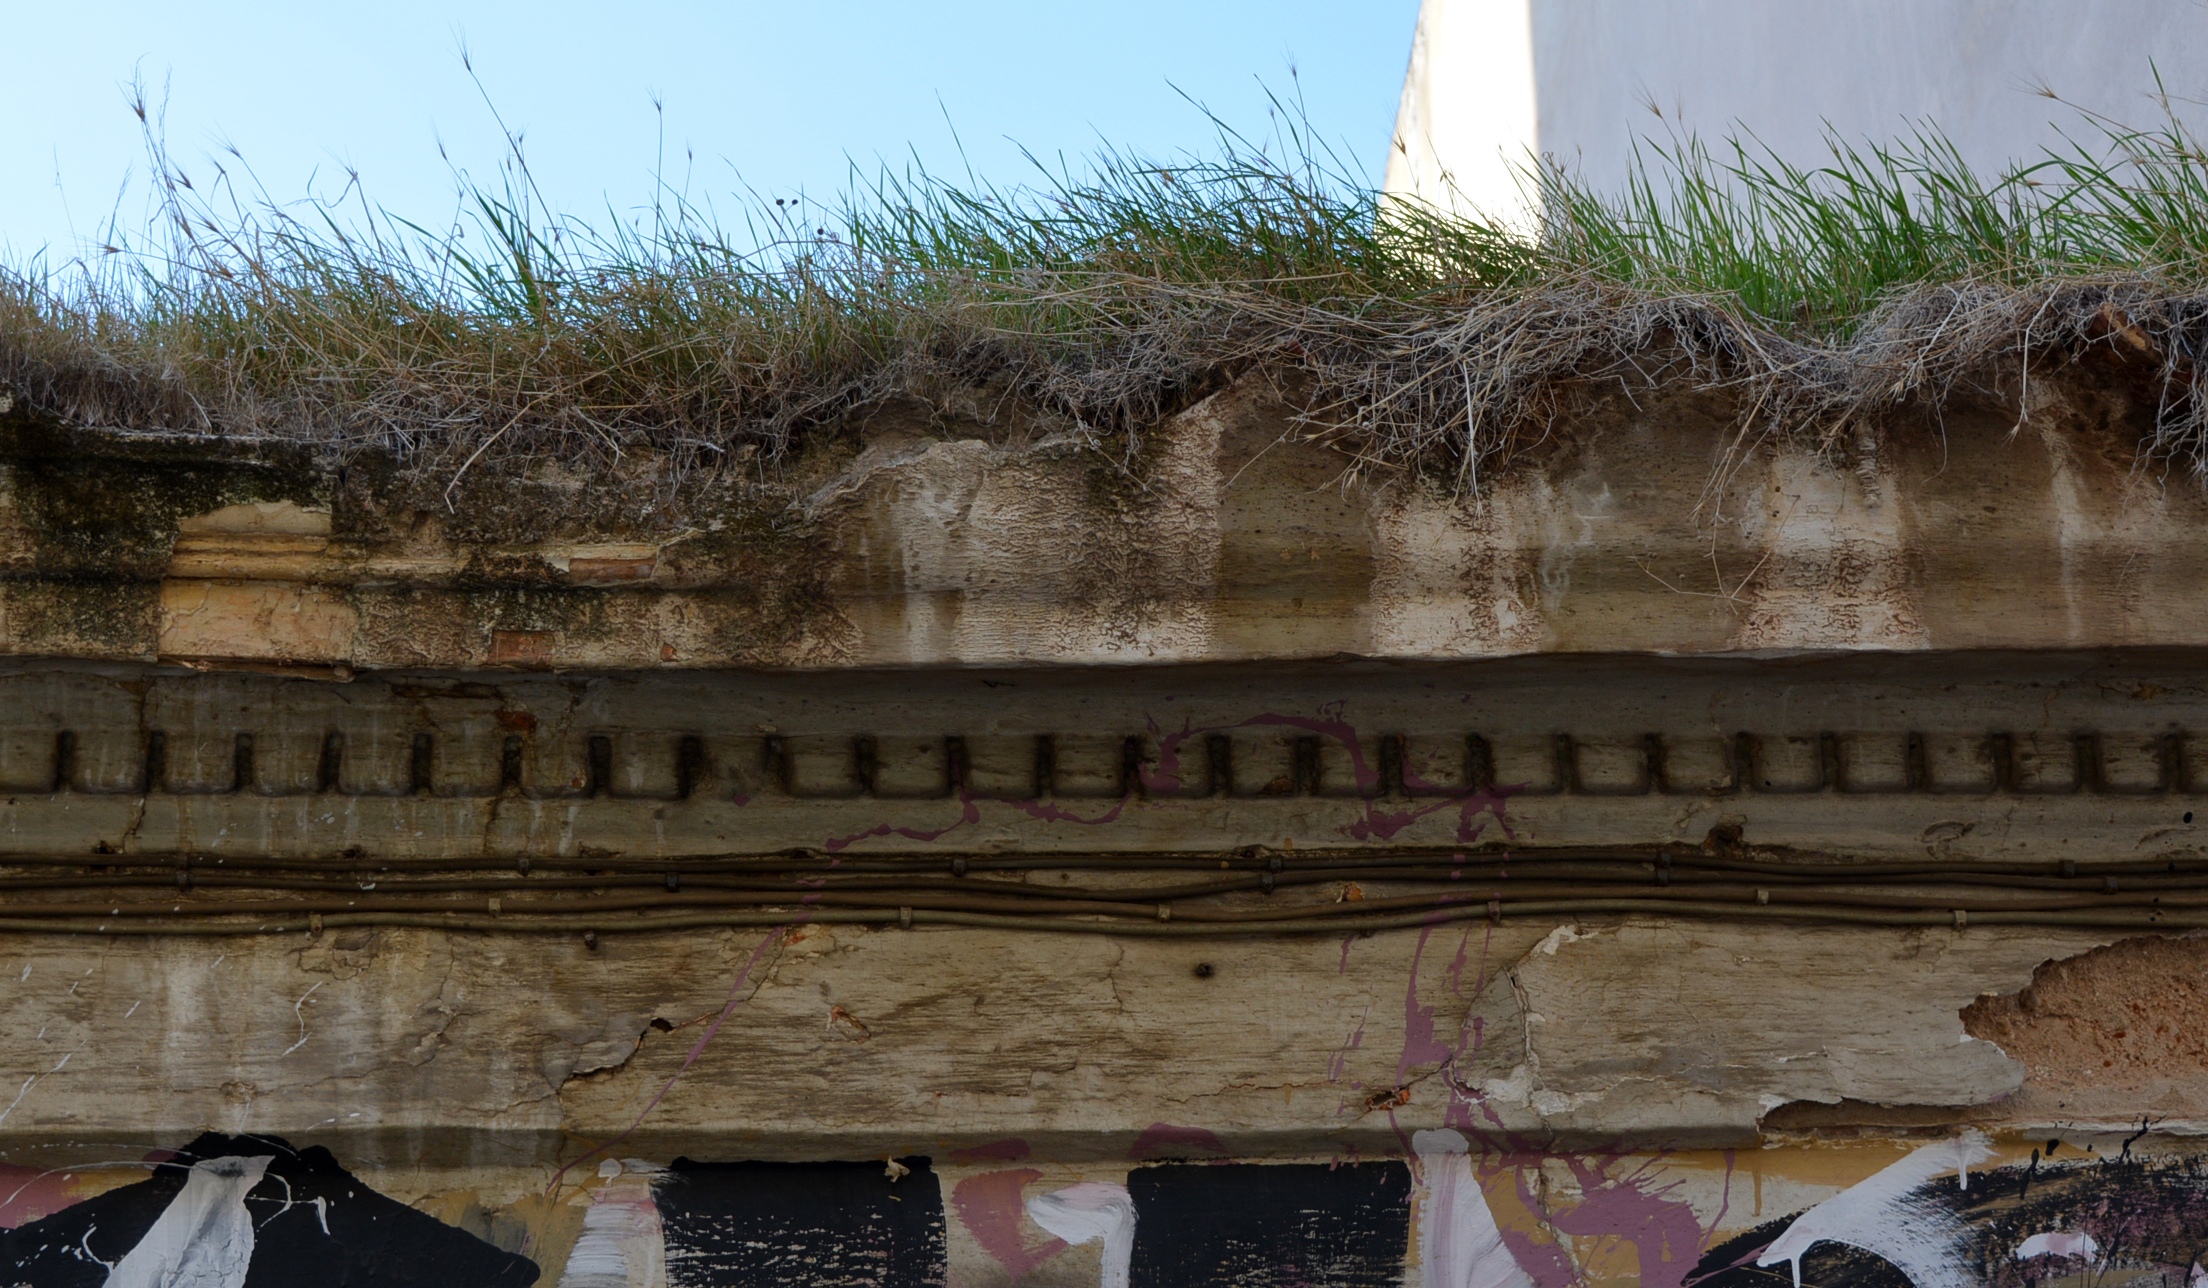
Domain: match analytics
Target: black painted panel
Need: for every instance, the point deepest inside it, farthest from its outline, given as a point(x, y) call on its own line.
point(824, 1225)
point(1259, 1225)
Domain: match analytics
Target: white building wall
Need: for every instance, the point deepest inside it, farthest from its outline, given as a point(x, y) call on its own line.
point(1781, 69)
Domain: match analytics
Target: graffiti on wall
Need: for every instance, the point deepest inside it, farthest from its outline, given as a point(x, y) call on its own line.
point(249, 1212)
point(1928, 1221)
point(255, 1212)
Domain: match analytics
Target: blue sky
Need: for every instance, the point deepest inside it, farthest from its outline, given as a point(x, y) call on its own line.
point(774, 96)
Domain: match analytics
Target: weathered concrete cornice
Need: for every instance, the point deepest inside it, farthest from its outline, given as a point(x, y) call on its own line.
point(1220, 540)
point(1987, 756)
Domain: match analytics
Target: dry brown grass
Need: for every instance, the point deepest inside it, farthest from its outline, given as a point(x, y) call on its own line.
point(1822, 300)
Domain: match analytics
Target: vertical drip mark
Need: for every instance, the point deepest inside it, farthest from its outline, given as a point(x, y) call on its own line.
point(333, 762)
point(1046, 767)
point(690, 767)
point(1915, 768)
point(1306, 777)
point(1479, 764)
point(1391, 766)
point(157, 762)
point(418, 778)
point(65, 760)
point(1653, 776)
point(2001, 750)
point(1219, 753)
point(601, 766)
point(1828, 763)
point(1130, 767)
point(1567, 765)
point(241, 763)
point(864, 760)
point(509, 764)
point(2085, 752)
point(774, 757)
point(1744, 761)
point(954, 763)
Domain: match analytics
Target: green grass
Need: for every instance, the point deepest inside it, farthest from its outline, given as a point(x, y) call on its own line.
point(1106, 292)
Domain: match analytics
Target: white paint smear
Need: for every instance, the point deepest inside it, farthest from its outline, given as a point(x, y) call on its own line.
point(1089, 1211)
point(1924, 1243)
point(204, 1237)
point(1459, 1244)
point(623, 1244)
point(2059, 1243)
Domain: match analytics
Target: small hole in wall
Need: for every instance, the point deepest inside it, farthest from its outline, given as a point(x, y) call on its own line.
point(662, 1025)
point(1205, 970)
point(2188, 816)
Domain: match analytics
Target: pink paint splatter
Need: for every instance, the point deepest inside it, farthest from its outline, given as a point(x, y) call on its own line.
point(970, 812)
point(1634, 1209)
point(1164, 779)
point(1419, 1043)
point(1631, 1206)
point(1340, 1063)
point(1376, 823)
point(1548, 1263)
point(28, 1193)
point(991, 1208)
point(1384, 824)
point(1050, 813)
point(1009, 1150)
point(1725, 1202)
point(1163, 1140)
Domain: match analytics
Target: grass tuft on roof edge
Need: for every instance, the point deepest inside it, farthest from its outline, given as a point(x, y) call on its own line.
point(1827, 295)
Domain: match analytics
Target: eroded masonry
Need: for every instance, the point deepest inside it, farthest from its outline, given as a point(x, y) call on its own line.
point(963, 854)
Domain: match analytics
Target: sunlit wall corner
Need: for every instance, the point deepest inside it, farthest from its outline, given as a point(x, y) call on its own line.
point(1467, 127)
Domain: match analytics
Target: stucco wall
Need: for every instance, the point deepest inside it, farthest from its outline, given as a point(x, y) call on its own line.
point(1493, 82)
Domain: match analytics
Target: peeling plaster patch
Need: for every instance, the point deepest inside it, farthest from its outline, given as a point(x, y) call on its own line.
point(1089, 1212)
point(1649, 1028)
point(586, 1050)
point(2115, 1030)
